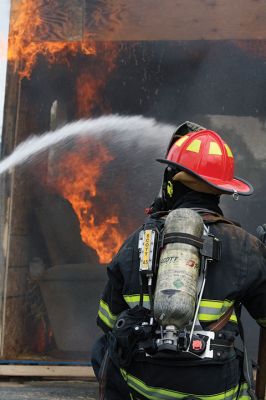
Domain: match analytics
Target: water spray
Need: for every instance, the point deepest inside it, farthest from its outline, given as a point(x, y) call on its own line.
point(135, 127)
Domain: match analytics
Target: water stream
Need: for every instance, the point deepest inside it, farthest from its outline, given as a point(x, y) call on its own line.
point(122, 129)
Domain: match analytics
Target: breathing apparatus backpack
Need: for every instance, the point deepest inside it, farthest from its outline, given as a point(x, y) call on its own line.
point(185, 248)
point(175, 250)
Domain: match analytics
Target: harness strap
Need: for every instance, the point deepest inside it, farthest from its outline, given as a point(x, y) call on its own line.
point(216, 218)
point(180, 237)
point(209, 246)
point(222, 321)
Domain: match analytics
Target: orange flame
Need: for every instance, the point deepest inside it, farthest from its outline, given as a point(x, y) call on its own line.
point(91, 82)
point(75, 178)
point(88, 89)
point(26, 26)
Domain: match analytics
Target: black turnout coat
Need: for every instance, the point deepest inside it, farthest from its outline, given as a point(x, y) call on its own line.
point(240, 276)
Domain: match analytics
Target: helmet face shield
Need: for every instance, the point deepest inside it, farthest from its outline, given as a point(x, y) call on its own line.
point(206, 156)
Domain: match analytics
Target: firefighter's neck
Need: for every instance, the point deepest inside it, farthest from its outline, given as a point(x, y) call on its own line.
point(194, 199)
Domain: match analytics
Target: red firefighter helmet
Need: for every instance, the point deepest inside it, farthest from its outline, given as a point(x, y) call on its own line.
point(206, 156)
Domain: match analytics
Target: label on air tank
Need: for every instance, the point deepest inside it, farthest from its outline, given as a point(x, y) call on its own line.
point(146, 248)
point(179, 272)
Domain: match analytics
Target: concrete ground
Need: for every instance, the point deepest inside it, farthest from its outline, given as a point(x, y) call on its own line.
point(49, 390)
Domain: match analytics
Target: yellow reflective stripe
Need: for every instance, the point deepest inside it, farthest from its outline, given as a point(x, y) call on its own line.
point(228, 150)
point(181, 141)
point(209, 317)
point(216, 303)
point(106, 315)
point(105, 319)
point(194, 146)
point(212, 310)
point(243, 392)
point(107, 309)
point(233, 318)
point(133, 300)
point(154, 393)
point(215, 149)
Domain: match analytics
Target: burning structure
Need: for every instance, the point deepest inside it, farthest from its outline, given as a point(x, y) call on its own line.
point(66, 214)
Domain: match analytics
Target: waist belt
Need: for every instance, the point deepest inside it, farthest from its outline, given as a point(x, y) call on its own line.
point(204, 345)
point(133, 334)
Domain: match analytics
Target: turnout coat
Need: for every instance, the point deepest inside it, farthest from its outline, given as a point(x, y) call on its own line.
point(240, 276)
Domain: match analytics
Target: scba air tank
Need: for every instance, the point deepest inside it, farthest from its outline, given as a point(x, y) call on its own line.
point(178, 273)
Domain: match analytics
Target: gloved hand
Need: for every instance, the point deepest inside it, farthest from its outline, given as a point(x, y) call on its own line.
point(261, 233)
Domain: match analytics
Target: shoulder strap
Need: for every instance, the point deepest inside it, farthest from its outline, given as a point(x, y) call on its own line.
point(208, 216)
point(216, 218)
point(154, 223)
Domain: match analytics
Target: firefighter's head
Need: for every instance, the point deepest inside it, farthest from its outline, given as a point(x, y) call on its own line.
point(203, 162)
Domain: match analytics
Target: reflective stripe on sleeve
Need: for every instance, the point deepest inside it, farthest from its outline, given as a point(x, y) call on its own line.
point(106, 315)
point(133, 300)
point(212, 310)
point(154, 393)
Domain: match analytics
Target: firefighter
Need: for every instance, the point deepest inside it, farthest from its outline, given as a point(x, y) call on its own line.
point(199, 169)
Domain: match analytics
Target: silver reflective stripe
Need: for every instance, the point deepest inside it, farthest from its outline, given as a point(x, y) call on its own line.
point(106, 315)
point(211, 310)
point(133, 300)
point(154, 393)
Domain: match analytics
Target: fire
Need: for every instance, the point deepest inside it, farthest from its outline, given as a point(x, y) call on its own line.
point(91, 81)
point(87, 91)
point(75, 178)
point(26, 26)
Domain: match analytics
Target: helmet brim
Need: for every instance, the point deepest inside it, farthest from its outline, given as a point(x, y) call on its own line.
point(236, 185)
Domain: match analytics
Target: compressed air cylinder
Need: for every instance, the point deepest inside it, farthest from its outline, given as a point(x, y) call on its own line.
point(178, 273)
